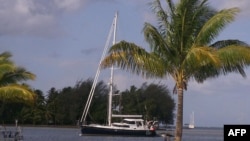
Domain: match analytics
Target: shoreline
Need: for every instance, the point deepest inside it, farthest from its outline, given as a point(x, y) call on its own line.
point(30, 125)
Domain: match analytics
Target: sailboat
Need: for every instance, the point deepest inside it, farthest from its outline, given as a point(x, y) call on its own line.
point(191, 124)
point(131, 125)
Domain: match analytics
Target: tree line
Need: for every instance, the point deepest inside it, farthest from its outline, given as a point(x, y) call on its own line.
point(65, 106)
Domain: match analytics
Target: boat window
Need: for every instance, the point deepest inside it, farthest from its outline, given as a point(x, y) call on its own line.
point(138, 124)
point(127, 126)
point(129, 122)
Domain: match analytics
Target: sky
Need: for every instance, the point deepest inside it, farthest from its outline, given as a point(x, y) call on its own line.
point(61, 42)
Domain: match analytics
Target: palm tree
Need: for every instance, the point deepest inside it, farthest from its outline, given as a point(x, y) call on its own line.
point(11, 89)
point(183, 47)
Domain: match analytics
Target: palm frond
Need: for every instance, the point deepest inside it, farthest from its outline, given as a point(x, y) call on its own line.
point(10, 76)
point(5, 63)
point(226, 43)
point(235, 58)
point(17, 93)
point(205, 72)
point(200, 56)
point(17, 75)
point(161, 15)
point(155, 39)
point(6, 67)
point(131, 57)
point(212, 27)
point(232, 58)
point(5, 56)
point(171, 5)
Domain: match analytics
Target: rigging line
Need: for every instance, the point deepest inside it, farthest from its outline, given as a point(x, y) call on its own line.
point(86, 108)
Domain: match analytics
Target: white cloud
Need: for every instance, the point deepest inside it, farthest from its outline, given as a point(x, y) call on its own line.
point(70, 5)
point(231, 83)
point(32, 17)
point(42, 18)
point(25, 17)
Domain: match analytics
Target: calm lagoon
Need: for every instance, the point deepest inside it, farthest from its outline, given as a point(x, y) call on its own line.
point(72, 134)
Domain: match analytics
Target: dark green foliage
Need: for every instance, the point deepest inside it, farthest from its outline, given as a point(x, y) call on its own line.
point(153, 101)
point(9, 112)
point(64, 107)
point(33, 114)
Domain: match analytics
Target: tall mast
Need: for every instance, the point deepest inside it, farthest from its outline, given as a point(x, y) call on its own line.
point(111, 76)
point(88, 103)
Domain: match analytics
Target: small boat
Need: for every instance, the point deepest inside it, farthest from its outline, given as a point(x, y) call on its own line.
point(191, 122)
point(131, 125)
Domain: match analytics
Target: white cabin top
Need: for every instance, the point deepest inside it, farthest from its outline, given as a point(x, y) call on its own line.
point(130, 119)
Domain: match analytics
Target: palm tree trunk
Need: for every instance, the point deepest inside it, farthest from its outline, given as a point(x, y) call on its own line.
point(179, 119)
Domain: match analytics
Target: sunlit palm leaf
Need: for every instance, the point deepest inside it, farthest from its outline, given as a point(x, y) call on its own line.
point(10, 77)
point(200, 56)
point(133, 58)
point(17, 93)
point(234, 58)
point(5, 64)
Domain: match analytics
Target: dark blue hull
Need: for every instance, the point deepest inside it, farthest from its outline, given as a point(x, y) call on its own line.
point(103, 130)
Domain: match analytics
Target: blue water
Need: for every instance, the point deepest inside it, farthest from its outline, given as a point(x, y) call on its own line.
point(72, 134)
